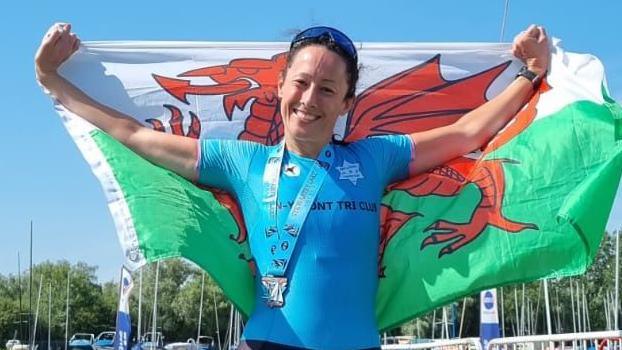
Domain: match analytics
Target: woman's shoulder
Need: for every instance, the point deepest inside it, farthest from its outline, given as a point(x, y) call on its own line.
point(375, 141)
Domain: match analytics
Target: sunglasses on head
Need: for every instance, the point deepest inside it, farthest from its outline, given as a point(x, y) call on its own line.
point(332, 34)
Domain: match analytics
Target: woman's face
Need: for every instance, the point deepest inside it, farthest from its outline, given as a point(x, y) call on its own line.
point(313, 94)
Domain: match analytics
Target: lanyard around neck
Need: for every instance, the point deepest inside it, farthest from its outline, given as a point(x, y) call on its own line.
point(282, 241)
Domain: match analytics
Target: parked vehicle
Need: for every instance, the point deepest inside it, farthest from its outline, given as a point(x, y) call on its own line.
point(82, 341)
point(104, 341)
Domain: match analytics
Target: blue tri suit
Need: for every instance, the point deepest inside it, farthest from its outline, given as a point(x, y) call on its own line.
point(333, 271)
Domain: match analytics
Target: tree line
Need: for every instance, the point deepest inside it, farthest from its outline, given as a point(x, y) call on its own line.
point(580, 303)
point(93, 306)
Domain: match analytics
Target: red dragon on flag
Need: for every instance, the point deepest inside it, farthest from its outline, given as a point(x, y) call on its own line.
point(413, 100)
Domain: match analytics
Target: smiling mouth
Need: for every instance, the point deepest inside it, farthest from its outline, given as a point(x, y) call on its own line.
point(305, 116)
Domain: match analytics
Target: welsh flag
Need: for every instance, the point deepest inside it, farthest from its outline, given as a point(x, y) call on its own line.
point(533, 203)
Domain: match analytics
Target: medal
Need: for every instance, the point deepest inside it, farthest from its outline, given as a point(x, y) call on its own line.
point(280, 242)
point(274, 287)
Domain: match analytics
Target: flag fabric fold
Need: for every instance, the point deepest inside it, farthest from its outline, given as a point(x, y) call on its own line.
point(532, 203)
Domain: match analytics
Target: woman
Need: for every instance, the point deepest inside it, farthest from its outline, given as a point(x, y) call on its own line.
point(317, 269)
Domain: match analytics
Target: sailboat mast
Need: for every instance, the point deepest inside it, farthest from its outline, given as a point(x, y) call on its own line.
point(140, 303)
point(505, 15)
point(30, 294)
point(155, 307)
point(516, 311)
point(34, 331)
point(587, 310)
point(502, 315)
point(462, 316)
point(433, 323)
point(230, 328)
point(523, 325)
point(574, 322)
point(19, 287)
point(579, 319)
point(201, 305)
point(49, 315)
point(548, 307)
point(216, 315)
point(617, 284)
point(67, 310)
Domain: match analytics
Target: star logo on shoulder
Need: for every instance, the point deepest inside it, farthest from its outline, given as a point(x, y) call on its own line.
point(350, 171)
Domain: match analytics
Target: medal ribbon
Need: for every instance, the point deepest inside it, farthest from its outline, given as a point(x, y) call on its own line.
point(282, 241)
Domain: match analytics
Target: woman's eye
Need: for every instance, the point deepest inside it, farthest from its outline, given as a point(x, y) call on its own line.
point(300, 82)
point(328, 91)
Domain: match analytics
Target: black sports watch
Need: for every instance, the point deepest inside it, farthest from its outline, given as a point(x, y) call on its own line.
point(529, 75)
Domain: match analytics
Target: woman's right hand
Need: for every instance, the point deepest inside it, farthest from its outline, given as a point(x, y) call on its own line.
point(58, 44)
point(173, 152)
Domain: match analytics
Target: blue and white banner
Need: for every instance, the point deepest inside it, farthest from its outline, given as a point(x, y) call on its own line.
point(124, 325)
point(489, 318)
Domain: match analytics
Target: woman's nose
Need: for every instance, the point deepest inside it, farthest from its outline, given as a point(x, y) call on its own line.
point(309, 96)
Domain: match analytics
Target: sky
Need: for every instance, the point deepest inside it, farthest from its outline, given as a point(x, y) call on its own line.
point(45, 179)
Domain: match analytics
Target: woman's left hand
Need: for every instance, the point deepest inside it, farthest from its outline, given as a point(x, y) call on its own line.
point(532, 47)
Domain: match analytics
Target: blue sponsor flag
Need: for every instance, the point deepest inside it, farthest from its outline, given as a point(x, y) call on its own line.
point(124, 325)
point(489, 319)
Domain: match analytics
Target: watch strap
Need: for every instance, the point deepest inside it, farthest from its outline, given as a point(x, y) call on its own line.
point(533, 77)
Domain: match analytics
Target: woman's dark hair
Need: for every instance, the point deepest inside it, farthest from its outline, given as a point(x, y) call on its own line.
point(352, 69)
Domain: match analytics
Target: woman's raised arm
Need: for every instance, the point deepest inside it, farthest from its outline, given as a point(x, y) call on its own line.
point(176, 153)
point(437, 146)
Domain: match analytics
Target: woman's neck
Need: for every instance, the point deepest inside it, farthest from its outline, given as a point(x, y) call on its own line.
point(305, 149)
